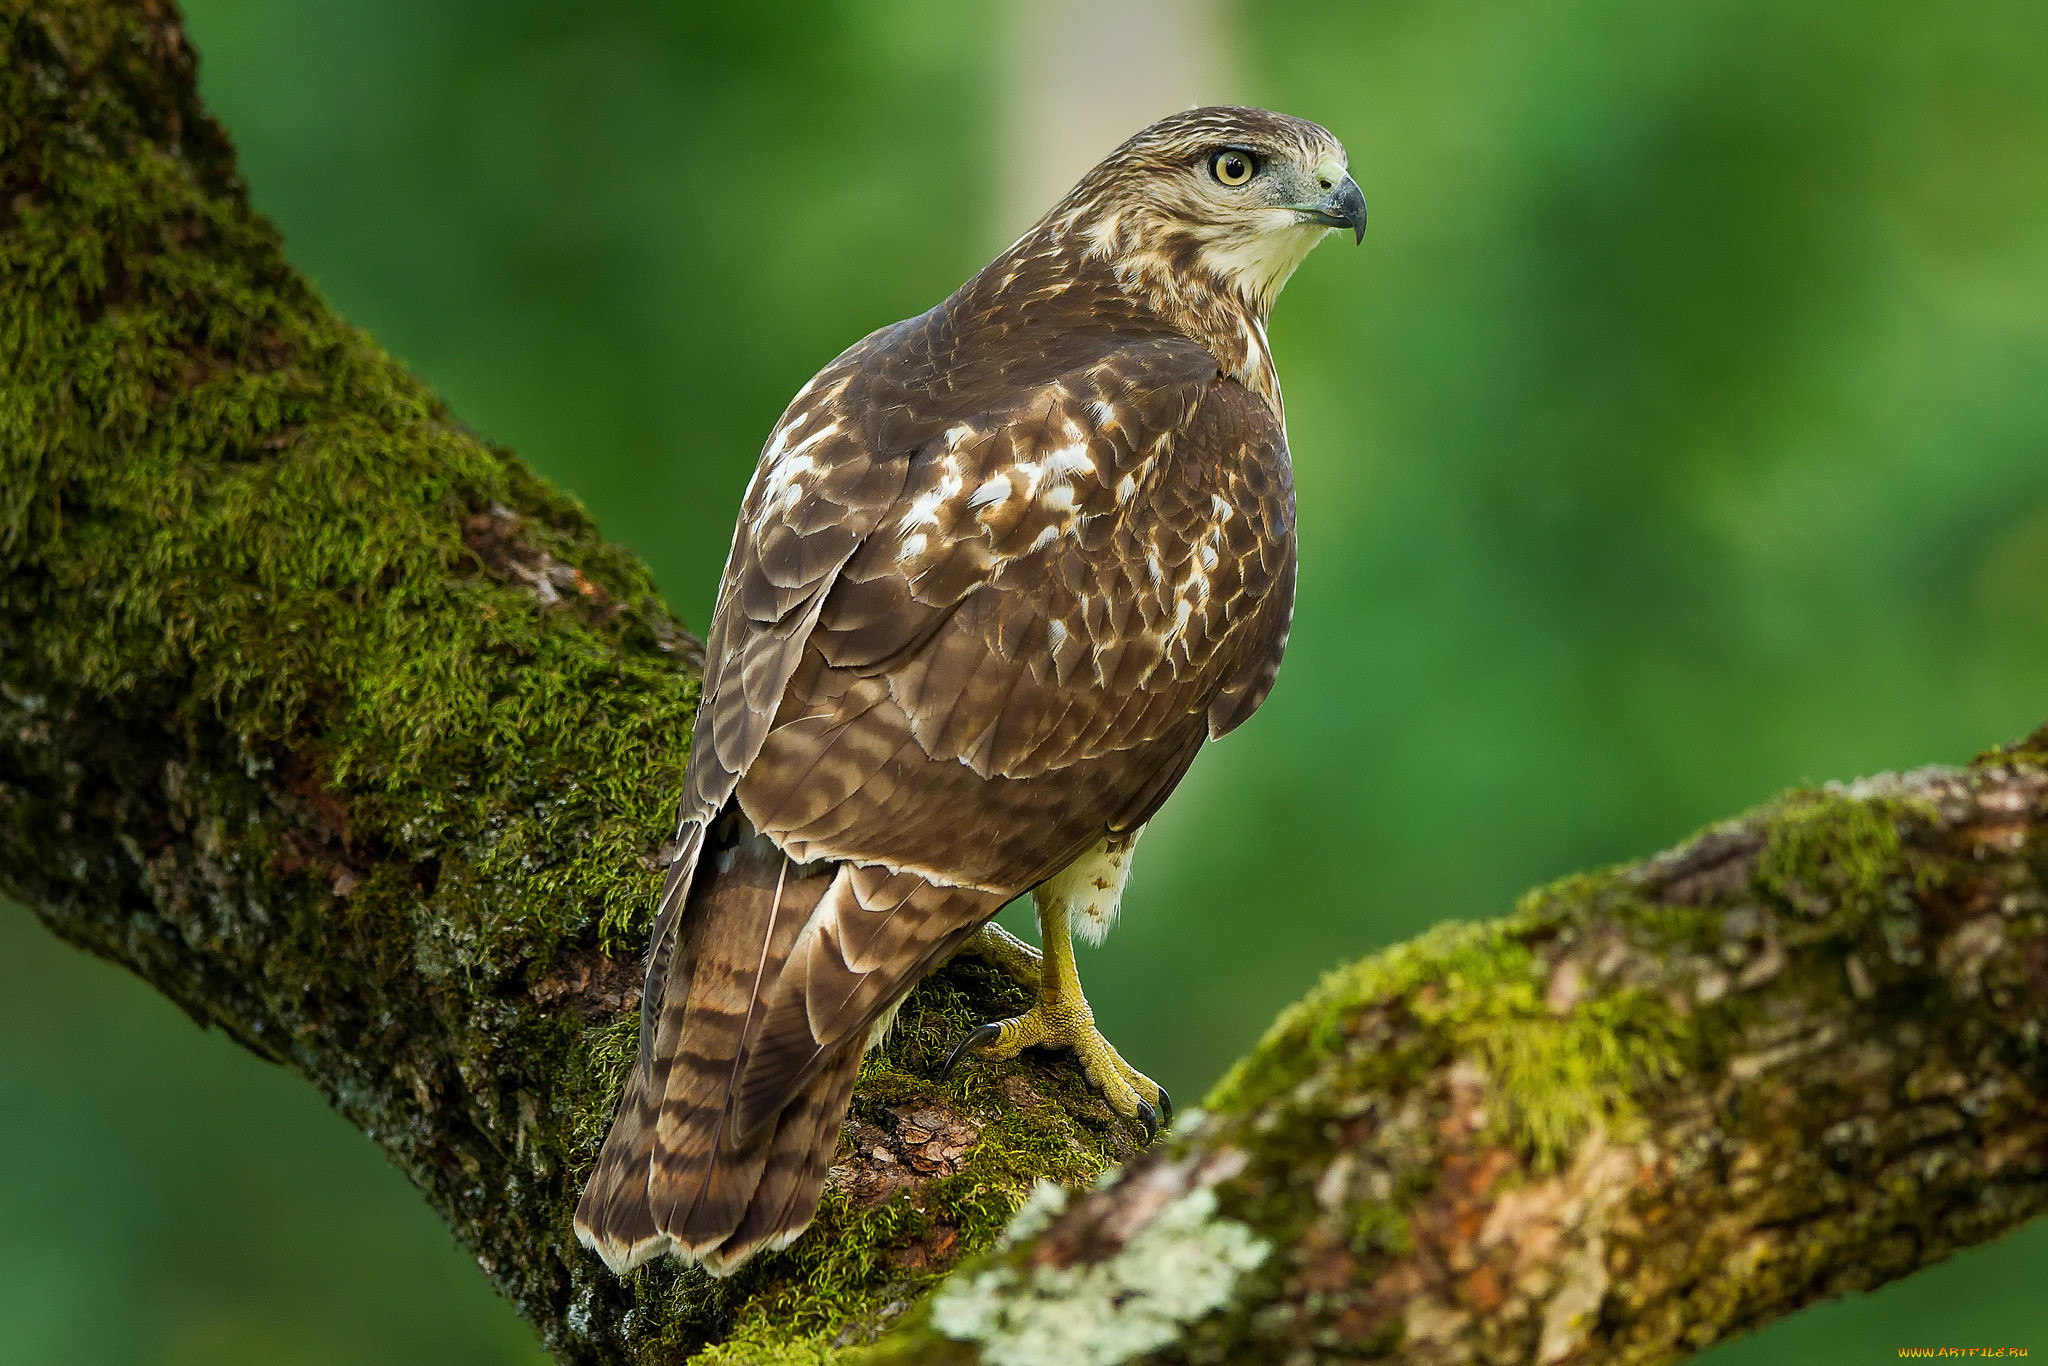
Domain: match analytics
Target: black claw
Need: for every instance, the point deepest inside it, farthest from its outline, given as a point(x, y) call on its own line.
point(975, 1039)
point(1148, 1117)
point(1165, 1107)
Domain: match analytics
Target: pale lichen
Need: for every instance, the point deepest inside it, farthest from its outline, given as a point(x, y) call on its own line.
point(1182, 1265)
point(1045, 1202)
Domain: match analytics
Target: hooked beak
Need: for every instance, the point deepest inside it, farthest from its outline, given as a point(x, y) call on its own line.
point(1342, 207)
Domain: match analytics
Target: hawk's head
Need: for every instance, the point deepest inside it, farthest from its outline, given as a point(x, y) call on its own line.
point(1218, 201)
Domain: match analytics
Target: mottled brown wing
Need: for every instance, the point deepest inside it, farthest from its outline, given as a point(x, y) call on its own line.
point(1071, 596)
point(834, 463)
point(839, 466)
point(828, 473)
point(1066, 598)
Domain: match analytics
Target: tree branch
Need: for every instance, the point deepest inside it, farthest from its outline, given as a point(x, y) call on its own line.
point(1798, 1056)
point(355, 739)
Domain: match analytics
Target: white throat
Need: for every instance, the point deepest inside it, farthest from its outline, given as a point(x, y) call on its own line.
point(1258, 262)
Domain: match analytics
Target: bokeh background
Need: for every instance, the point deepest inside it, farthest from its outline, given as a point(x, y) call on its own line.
point(1680, 433)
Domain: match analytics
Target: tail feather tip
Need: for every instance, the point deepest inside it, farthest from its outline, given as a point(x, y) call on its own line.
point(723, 1261)
point(623, 1256)
point(620, 1255)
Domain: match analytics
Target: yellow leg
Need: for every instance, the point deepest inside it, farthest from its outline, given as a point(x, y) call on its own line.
point(1061, 1019)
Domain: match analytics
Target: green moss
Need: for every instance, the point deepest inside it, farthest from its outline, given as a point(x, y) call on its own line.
point(1649, 994)
point(2031, 752)
point(213, 484)
point(1613, 895)
point(1477, 992)
point(1379, 1228)
point(1319, 1025)
point(603, 1053)
point(1828, 853)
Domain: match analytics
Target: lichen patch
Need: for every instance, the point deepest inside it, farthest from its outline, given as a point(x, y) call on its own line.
point(1183, 1264)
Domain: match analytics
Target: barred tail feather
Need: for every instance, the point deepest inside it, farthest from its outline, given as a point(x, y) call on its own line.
point(613, 1217)
point(796, 1158)
point(671, 1177)
point(752, 1033)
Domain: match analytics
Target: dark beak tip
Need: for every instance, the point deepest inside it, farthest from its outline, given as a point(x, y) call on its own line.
point(1354, 204)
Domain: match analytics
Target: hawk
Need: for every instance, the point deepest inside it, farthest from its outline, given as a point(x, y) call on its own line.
point(1002, 570)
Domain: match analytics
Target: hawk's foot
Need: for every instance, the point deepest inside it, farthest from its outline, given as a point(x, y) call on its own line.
point(1045, 1025)
point(1054, 1023)
point(1061, 1019)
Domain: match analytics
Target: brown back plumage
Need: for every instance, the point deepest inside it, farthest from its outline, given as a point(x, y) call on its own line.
point(1002, 570)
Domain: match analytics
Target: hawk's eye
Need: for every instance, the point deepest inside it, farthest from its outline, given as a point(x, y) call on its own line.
point(1232, 167)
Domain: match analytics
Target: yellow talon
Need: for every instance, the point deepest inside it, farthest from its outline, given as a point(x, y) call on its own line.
point(1061, 1019)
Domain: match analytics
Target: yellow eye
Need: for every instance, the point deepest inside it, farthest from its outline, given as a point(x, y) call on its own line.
point(1232, 167)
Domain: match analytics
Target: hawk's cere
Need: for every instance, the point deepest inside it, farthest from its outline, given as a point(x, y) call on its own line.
point(1002, 570)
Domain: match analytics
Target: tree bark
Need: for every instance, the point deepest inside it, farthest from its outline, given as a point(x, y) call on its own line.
point(1799, 1055)
point(353, 738)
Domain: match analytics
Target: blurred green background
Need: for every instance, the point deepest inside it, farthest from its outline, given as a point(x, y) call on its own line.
point(1680, 433)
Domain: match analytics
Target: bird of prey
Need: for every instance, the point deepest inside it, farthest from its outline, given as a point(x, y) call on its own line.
point(1002, 570)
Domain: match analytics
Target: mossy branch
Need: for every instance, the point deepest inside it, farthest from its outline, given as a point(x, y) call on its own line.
point(1801, 1055)
point(355, 739)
